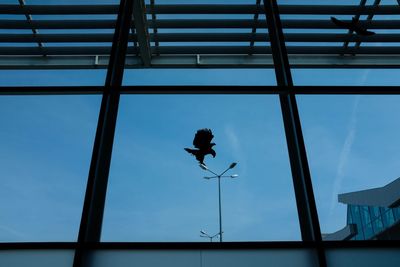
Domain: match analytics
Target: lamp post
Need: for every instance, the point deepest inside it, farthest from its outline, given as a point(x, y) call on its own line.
point(219, 176)
point(204, 234)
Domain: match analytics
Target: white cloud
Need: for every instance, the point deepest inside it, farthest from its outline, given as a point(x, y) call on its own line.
point(344, 154)
point(236, 147)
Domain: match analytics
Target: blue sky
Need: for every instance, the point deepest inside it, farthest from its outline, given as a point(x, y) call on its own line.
point(156, 191)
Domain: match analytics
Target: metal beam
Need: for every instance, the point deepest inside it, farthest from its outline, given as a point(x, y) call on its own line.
point(306, 207)
point(96, 189)
point(309, 50)
point(93, 208)
point(191, 24)
point(369, 18)
point(57, 24)
point(204, 61)
point(202, 9)
point(308, 216)
point(357, 17)
point(29, 21)
point(154, 23)
point(142, 32)
point(254, 28)
point(200, 37)
point(285, 9)
point(198, 89)
point(57, 38)
point(195, 50)
point(59, 9)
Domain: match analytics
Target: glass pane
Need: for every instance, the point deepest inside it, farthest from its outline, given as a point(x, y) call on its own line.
point(349, 216)
point(157, 191)
point(352, 144)
point(388, 218)
point(205, 258)
point(331, 40)
point(46, 146)
point(396, 213)
point(57, 49)
point(387, 257)
point(199, 77)
point(36, 258)
point(348, 77)
point(365, 217)
point(53, 77)
point(214, 48)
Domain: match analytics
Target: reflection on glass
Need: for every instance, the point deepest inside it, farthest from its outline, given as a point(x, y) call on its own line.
point(46, 146)
point(157, 191)
point(352, 144)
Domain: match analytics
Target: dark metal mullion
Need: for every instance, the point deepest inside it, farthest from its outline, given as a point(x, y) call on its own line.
point(134, 39)
point(254, 28)
point(369, 19)
point(201, 9)
point(29, 20)
point(306, 206)
point(93, 209)
point(357, 17)
point(155, 30)
point(190, 89)
point(191, 24)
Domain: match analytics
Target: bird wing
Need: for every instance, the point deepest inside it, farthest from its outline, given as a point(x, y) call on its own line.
point(340, 23)
point(202, 138)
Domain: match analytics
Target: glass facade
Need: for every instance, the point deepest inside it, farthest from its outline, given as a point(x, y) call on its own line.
point(154, 66)
point(371, 220)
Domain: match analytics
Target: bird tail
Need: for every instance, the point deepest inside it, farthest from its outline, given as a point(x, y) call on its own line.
point(213, 153)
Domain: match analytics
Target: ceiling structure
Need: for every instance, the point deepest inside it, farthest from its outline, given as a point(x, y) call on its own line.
point(196, 36)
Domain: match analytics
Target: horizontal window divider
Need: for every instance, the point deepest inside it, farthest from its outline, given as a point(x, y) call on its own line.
point(38, 245)
point(203, 89)
point(373, 244)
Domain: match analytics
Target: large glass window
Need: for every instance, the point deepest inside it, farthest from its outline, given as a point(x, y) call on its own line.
point(46, 145)
point(352, 144)
point(53, 48)
point(157, 191)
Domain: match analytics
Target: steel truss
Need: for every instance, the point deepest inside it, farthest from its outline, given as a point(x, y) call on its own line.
point(177, 42)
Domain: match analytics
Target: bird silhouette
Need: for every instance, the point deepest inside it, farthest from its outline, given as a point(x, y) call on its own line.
point(354, 25)
point(202, 141)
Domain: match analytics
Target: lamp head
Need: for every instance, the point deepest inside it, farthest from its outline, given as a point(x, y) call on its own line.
point(232, 165)
point(234, 175)
point(203, 166)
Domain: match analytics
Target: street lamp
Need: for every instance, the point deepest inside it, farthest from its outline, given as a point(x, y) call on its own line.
point(219, 176)
point(204, 234)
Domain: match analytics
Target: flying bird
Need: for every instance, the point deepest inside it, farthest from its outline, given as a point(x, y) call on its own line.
point(202, 141)
point(354, 25)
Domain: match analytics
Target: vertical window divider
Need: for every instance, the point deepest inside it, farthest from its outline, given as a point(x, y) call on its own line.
point(306, 207)
point(95, 196)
